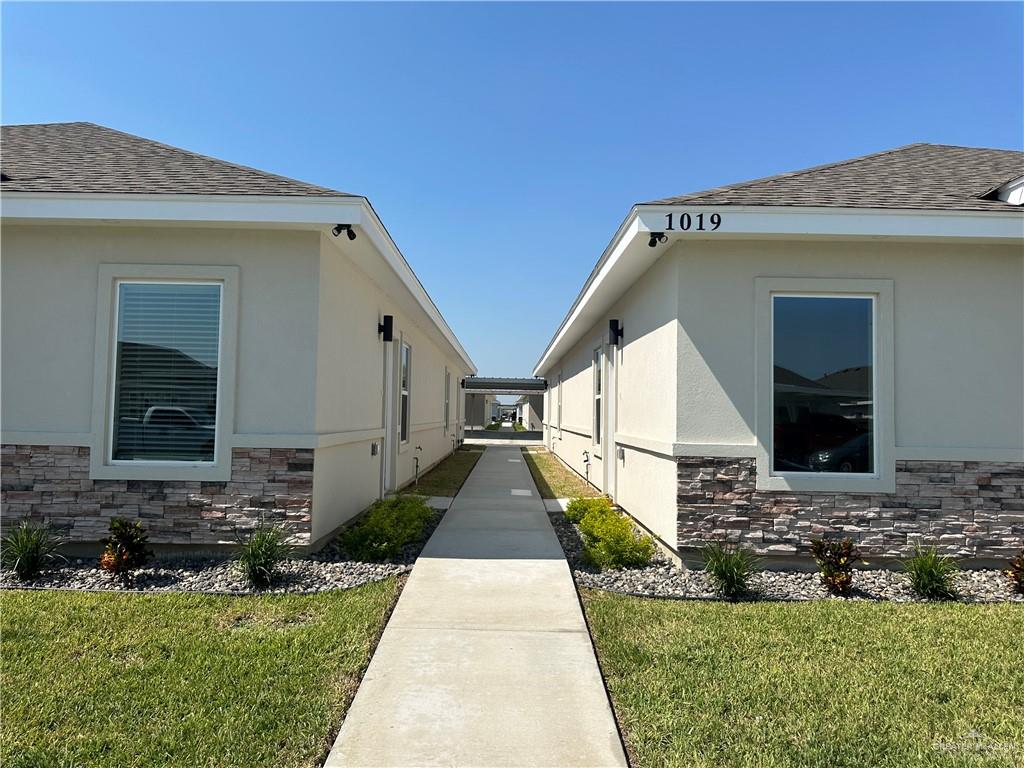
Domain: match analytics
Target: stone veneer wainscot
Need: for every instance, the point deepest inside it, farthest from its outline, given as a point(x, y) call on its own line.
point(51, 483)
point(966, 508)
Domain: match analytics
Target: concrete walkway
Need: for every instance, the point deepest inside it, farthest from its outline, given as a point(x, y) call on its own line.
point(486, 661)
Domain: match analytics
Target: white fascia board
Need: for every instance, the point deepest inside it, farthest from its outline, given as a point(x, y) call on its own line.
point(210, 209)
point(753, 222)
point(612, 256)
point(278, 210)
point(375, 230)
point(785, 221)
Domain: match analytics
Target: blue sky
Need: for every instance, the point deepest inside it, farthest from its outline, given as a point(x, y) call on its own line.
point(503, 144)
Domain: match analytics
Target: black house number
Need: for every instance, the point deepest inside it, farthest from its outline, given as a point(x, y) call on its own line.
point(696, 223)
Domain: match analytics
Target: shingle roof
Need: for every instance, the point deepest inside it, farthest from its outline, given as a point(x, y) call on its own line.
point(921, 176)
point(89, 158)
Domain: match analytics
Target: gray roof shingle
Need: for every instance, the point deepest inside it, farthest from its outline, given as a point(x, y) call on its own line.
point(918, 176)
point(89, 158)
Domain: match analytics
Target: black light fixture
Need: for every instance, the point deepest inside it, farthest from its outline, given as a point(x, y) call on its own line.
point(615, 332)
point(386, 328)
point(657, 237)
point(346, 228)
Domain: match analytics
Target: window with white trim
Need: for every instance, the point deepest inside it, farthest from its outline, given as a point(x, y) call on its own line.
point(559, 406)
point(447, 399)
point(405, 387)
point(597, 396)
point(166, 372)
point(823, 384)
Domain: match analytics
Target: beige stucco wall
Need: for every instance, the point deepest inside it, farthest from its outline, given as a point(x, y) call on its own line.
point(309, 365)
point(350, 389)
point(49, 292)
point(646, 402)
point(687, 386)
point(958, 338)
point(533, 410)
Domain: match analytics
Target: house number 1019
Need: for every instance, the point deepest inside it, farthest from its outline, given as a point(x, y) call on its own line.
point(696, 223)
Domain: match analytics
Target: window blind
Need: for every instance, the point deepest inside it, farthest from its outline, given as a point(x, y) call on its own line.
point(165, 392)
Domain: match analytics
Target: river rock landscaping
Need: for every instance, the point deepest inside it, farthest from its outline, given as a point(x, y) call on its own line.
point(665, 580)
point(329, 569)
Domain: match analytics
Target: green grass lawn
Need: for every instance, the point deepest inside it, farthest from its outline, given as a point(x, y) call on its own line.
point(822, 684)
point(448, 476)
point(494, 426)
point(92, 679)
point(519, 427)
point(554, 480)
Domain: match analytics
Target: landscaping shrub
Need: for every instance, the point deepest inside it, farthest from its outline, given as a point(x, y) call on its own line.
point(730, 568)
point(931, 574)
point(1015, 573)
point(389, 525)
point(28, 548)
point(578, 508)
point(125, 549)
point(835, 558)
point(610, 541)
point(259, 557)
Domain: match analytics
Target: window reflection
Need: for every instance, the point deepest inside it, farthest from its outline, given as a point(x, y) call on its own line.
point(823, 353)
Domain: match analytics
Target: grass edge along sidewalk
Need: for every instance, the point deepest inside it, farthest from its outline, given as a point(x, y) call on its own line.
point(448, 475)
point(553, 479)
point(799, 685)
point(182, 679)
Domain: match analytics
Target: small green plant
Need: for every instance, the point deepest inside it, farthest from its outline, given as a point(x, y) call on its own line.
point(579, 508)
point(610, 541)
point(1015, 573)
point(28, 548)
point(836, 558)
point(389, 525)
point(125, 549)
point(931, 574)
point(730, 568)
point(261, 553)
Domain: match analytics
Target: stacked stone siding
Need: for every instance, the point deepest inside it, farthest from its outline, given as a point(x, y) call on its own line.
point(969, 509)
point(51, 483)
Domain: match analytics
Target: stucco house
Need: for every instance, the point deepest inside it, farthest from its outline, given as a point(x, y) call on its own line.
point(198, 344)
point(530, 411)
point(837, 351)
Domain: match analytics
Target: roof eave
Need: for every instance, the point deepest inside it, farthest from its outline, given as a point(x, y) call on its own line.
point(289, 211)
point(770, 222)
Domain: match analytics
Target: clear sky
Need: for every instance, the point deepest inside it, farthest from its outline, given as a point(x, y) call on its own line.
point(503, 144)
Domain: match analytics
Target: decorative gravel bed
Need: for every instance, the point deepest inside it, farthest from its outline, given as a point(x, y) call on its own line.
point(662, 579)
point(328, 569)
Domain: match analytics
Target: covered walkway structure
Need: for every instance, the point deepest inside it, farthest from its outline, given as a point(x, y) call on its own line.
point(482, 407)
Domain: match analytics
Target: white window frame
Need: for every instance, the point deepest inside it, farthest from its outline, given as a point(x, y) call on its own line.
point(598, 382)
point(883, 479)
point(406, 392)
point(101, 465)
point(447, 399)
point(559, 406)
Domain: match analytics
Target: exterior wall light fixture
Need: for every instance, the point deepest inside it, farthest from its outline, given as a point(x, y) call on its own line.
point(386, 328)
point(657, 237)
point(615, 331)
point(346, 228)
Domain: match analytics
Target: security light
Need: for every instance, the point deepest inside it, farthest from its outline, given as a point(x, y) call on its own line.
point(614, 332)
point(386, 328)
point(346, 228)
point(656, 237)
